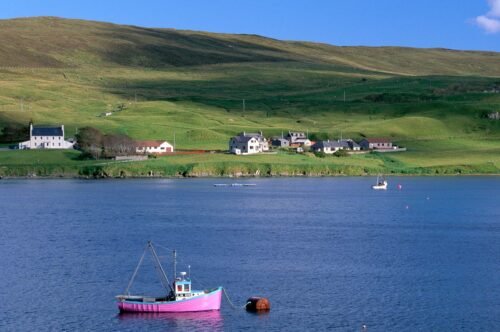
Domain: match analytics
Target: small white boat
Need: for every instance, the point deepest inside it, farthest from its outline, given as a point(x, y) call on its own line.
point(381, 184)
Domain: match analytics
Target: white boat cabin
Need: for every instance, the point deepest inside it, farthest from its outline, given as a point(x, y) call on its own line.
point(183, 290)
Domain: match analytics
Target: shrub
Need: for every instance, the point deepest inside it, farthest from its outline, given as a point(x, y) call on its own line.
point(320, 154)
point(341, 153)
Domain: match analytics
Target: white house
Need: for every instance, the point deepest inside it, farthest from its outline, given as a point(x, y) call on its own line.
point(248, 143)
point(330, 147)
point(42, 137)
point(153, 147)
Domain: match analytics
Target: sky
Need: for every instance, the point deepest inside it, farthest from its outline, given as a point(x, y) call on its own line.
point(455, 24)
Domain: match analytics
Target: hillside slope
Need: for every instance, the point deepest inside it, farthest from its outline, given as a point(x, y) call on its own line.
point(55, 42)
point(191, 87)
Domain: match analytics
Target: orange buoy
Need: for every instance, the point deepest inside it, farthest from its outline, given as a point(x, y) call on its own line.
point(258, 304)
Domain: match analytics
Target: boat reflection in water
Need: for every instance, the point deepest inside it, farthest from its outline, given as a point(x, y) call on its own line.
point(202, 320)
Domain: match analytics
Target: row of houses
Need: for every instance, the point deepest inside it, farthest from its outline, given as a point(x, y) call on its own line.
point(330, 147)
point(47, 137)
point(251, 143)
point(43, 137)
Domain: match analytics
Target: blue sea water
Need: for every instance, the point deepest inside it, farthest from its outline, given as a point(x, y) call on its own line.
point(329, 253)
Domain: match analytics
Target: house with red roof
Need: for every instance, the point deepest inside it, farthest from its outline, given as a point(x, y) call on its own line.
point(153, 147)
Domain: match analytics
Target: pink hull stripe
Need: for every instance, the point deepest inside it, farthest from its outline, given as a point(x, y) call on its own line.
point(210, 301)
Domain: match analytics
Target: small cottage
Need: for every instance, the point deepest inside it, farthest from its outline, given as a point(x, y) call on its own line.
point(376, 144)
point(280, 142)
point(328, 147)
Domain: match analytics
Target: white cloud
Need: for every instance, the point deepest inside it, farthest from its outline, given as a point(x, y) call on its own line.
point(495, 8)
point(491, 25)
point(490, 22)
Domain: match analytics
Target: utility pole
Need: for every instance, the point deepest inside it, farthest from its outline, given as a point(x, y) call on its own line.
point(244, 106)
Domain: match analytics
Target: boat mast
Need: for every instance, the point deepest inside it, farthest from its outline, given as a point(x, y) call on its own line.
point(158, 264)
point(175, 264)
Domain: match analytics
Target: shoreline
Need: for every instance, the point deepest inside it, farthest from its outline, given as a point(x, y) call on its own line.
point(55, 177)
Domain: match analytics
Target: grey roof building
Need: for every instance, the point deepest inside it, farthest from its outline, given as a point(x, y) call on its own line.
point(280, 142)
point(350, 144)
point(330, 147)
point(46, 137)
point(248, 143)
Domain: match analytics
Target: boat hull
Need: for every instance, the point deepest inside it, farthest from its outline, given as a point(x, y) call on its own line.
point(379, 187)
point(205, 302)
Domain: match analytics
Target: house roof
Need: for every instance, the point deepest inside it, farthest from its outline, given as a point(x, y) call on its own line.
point(350, 142)
point(378, 140)
point(250, 134)
point(149, 143)
point(243, 139)
point(47, 131)
point(297, 134)
point(329, 144)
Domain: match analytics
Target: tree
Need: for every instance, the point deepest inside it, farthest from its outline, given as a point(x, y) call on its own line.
point(90, 141)
point(14, 133)
point(118, 145)
point(95, 144)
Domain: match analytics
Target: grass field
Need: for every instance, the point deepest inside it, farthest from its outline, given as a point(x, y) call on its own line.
point(191, 86)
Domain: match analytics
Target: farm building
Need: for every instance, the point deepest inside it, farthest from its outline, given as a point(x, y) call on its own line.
point(153, 147)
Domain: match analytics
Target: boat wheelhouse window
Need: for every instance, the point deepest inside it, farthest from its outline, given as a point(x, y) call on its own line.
point(179, 288)
point(186, 288)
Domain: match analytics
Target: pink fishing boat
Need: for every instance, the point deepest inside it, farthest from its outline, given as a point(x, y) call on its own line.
point(180, 296)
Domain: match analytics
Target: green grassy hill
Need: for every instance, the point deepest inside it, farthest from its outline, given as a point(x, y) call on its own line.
point(192, 85)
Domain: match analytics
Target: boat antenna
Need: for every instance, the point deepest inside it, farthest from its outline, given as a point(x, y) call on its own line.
point(158, 265)
point(189, 271)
